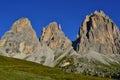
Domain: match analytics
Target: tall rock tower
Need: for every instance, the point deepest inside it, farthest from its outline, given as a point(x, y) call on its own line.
point(98, 33)
point(21, 38)
point(54, 37)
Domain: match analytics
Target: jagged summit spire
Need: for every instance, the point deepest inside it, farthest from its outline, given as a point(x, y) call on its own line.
point(54, 25)
point(49, 31)
point(21, 24)
point(22, 21)
point(21, 38)
point(96, 20)
point(98, 13)
point(54, 37)
point(96, 32)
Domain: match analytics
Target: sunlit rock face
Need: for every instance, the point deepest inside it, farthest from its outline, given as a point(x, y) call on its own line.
point(21, 42)
point(97, 45)
point(21, 38)
point(54, 37)
point(98, 33)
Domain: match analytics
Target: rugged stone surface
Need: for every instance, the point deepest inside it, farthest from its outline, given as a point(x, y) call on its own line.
point(21, 42)
point(98, 33)
point(21, 38)
point(98, 48)
point(54, 37)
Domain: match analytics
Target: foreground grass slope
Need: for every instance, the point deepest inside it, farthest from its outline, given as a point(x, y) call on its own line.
point(15, 69)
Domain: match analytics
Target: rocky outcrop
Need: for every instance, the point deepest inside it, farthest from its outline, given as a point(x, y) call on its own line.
point(53, 36)
point(21, 38)
point(98, 48)
point(55, 39)
point(21, 42)
point(98, 33)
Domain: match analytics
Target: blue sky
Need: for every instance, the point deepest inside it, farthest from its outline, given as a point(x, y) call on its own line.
point(68, 13)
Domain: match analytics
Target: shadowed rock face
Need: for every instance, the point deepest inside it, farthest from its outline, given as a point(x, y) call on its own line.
point(98, 33)
point(21, 38)
point(53, 36)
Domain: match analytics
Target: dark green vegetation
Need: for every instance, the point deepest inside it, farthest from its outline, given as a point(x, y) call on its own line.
point(15, 69)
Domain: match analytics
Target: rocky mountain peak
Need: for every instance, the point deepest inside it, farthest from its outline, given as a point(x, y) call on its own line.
point(99, 13)
point(21, 24)
point(54, 37)
point(98, 42)
point(98, 33)
point(21, 38)
point(54, 26)
point(49, 31)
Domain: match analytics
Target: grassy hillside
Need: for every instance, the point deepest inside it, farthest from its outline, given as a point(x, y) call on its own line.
point(14, 69)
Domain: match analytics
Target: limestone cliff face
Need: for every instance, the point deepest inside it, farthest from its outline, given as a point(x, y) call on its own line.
point(54, 37)
point(21, 42)
point(98, 33)
point(21, 38)
point(97, 44)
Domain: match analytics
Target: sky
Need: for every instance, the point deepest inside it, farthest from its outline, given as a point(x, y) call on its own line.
point(68, 13)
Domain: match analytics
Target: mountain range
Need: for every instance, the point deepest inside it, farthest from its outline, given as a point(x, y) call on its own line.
point(96, 50)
